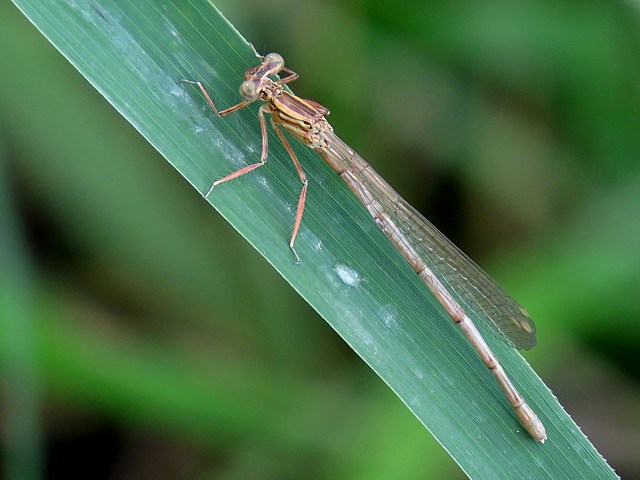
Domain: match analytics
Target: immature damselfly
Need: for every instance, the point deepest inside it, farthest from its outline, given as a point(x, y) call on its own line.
point(460, 286)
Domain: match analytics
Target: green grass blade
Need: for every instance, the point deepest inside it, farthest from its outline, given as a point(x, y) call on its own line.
point(135, 54)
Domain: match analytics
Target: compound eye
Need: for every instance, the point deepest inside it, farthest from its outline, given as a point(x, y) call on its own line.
point(248, 90)
point(276, 60)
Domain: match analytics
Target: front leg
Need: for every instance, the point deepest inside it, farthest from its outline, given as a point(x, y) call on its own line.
point(220, 113)
point(290, 78)
point(263, 157)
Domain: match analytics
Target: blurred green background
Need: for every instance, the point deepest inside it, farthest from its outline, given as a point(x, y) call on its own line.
point(515, 129)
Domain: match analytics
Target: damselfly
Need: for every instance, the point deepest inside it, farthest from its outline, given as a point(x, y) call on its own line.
point(461, 287)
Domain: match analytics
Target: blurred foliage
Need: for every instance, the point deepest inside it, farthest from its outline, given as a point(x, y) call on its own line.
point(514, 126)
